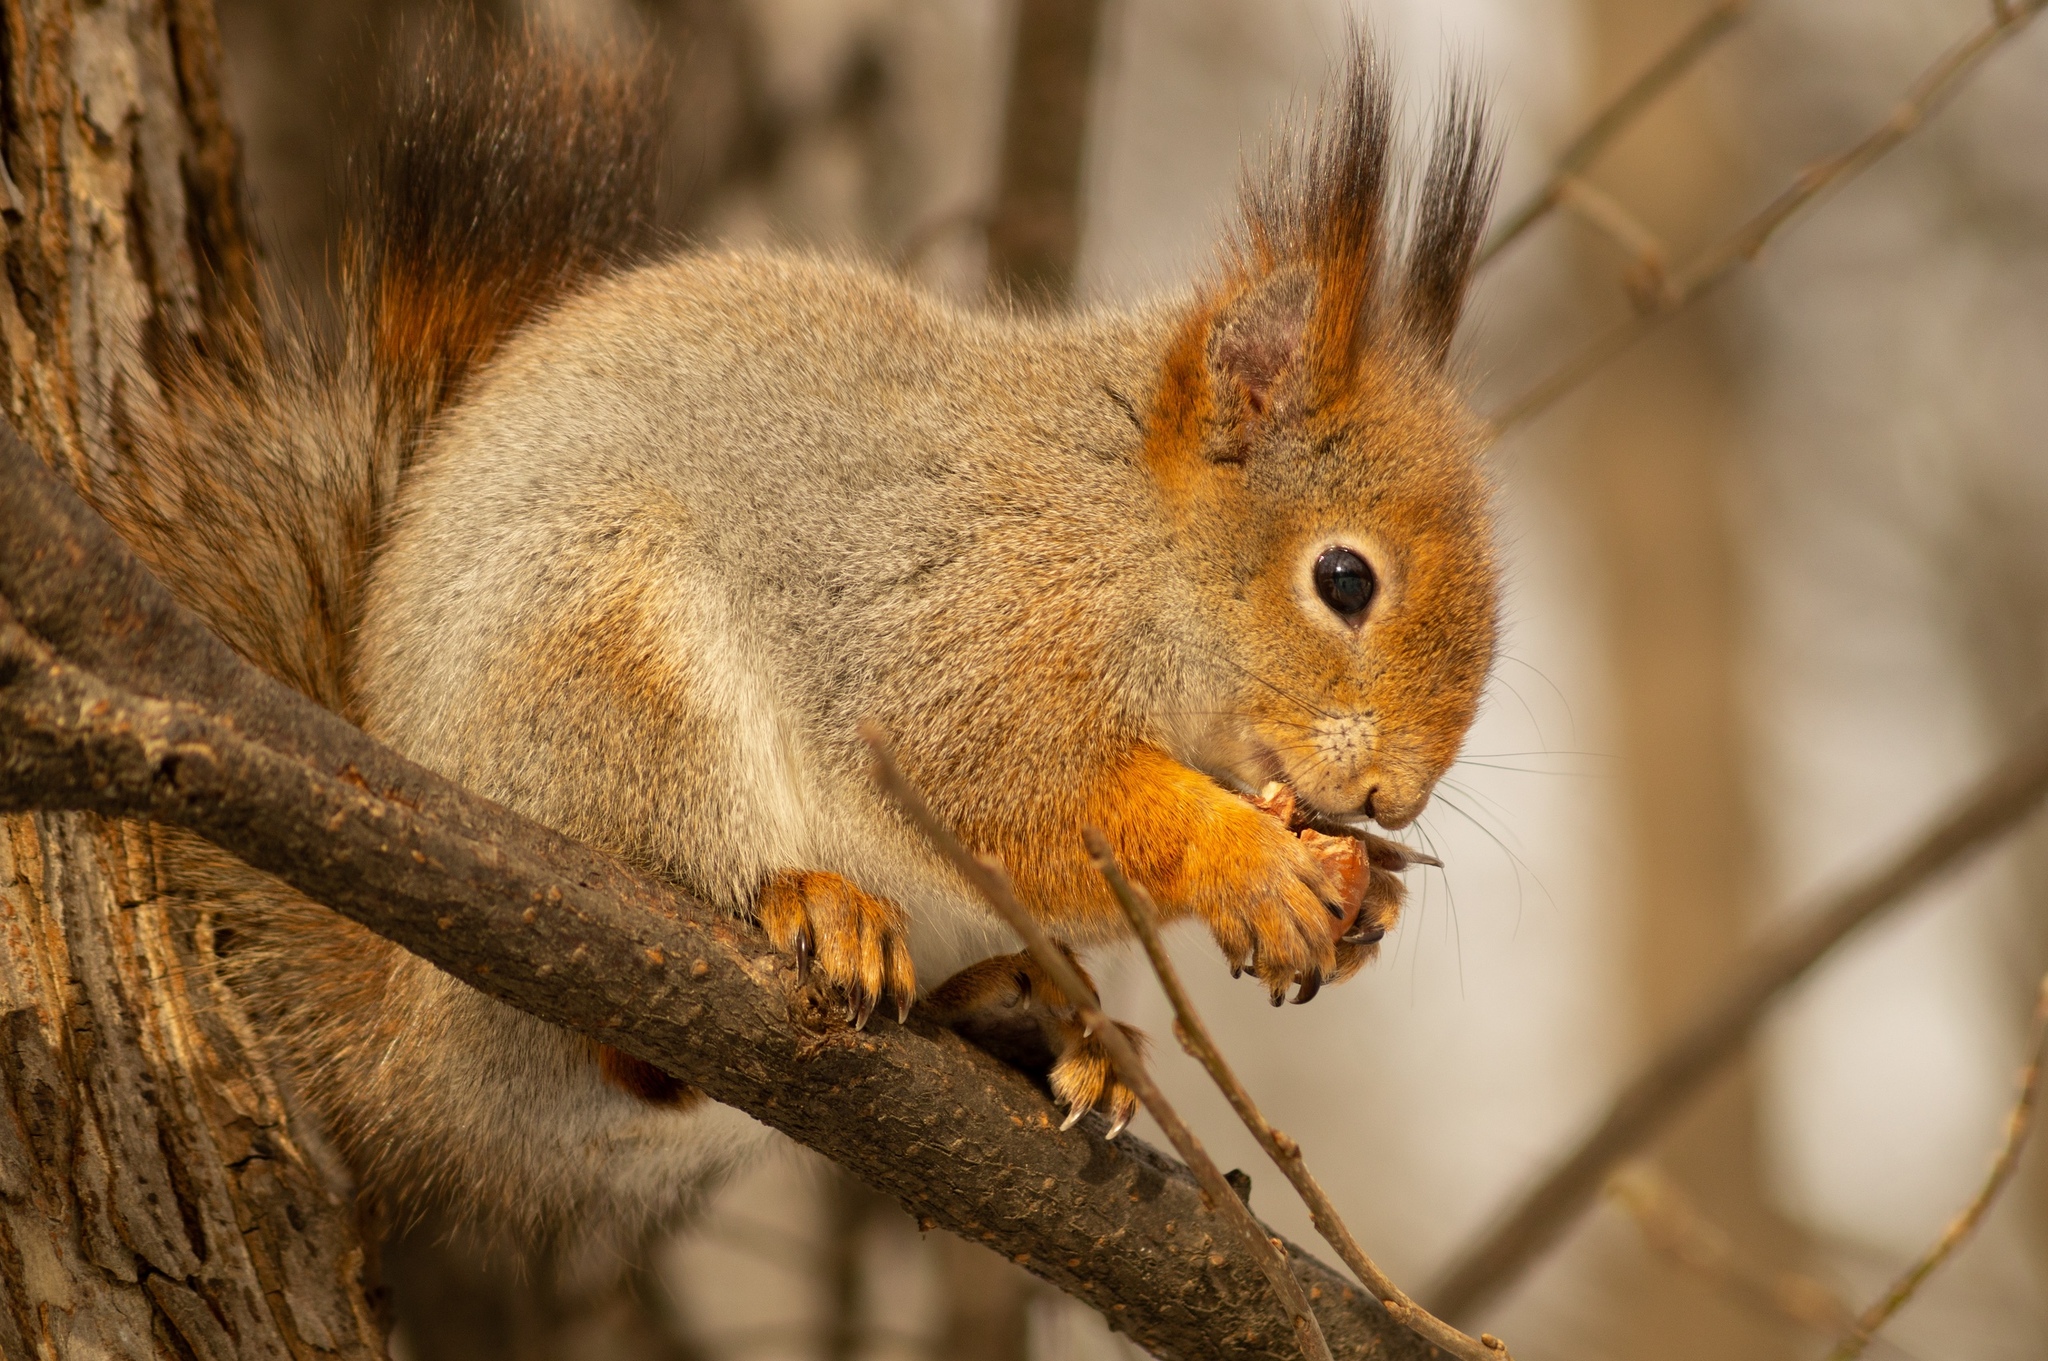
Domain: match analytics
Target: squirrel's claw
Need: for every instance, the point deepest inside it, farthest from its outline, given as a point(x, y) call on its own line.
point(901, 983)
point(1073, 1118)
point(1311, 984)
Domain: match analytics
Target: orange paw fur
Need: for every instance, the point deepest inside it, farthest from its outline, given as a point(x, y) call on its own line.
point(1272, 904)
point(850, 946)
point(1011, 1008)
point(1364, 868)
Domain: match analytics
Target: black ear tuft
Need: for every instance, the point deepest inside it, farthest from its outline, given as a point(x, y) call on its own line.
point(1321, 211)
point(1449, 218)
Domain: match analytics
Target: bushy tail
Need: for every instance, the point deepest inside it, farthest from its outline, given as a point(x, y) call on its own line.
point(257, 484)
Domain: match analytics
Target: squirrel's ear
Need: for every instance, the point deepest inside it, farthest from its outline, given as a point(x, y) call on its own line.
point(1255, 345)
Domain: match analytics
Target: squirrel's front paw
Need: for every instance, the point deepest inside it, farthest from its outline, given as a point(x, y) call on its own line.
point(1011, 1008)
point(850, 945)
point(1282, 913)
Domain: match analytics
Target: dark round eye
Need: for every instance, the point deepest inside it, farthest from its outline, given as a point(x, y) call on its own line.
point(1344, 581)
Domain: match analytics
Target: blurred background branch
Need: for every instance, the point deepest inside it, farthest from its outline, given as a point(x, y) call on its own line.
point(1998, 804)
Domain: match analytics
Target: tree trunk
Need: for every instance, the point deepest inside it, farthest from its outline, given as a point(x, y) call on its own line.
point(1034, 236)
point(1656, 456)
point(156, 1196)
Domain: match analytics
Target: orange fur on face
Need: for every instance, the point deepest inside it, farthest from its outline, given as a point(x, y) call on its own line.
point(1304, 405)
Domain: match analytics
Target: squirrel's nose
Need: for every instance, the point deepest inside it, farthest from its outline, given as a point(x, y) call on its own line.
point(1371, 814)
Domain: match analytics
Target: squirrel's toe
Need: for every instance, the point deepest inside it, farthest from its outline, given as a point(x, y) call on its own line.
point(850, 946)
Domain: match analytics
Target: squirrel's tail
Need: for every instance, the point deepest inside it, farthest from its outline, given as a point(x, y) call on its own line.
point(257, 479)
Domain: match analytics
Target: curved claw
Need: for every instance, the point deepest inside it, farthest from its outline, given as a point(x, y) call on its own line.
point(862, 1008)
point(806, 949)
point(1311, 984)
point(1116, 1126)
point(1370, 935)
point(1073, 1117)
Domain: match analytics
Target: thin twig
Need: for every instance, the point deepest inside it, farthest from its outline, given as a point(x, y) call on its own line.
point(1674, 1227)
point(1611, 121)
point(1662, 1086)
point(994, 886)
point(2017, 1125)
point(1284, 1151)
point(1715, 264)
point(1648, 278)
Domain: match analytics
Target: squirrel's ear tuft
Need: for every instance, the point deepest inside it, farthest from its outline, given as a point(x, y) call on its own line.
point(1321, 212)
point(1450, 215)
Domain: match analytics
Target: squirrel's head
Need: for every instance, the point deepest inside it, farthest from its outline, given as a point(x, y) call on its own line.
point(1322, 478)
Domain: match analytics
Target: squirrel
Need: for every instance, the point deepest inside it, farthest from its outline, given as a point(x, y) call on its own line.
point(634, 540)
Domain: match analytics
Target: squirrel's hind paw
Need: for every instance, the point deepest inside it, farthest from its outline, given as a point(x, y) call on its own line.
point(1009, 1007)
point(850, 946)
point(1085, 1079)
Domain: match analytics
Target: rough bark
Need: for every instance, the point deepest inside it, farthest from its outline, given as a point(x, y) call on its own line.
point(549, 925)
point(156, 1202)
point(155, 1197)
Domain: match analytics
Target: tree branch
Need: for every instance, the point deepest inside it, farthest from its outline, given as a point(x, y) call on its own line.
point(2017, 1125)
point(1935, 86)
point(114, 698)
point(1285, 1152)
point(1612, 121)
point(994, 887)
point(1662, 1086)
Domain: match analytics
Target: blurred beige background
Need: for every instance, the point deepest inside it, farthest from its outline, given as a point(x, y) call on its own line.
point(1779, 585)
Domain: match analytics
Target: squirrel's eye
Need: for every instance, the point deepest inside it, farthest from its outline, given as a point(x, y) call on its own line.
point(1344, 581)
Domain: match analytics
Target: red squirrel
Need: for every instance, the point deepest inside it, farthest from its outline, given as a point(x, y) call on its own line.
point(634, 541)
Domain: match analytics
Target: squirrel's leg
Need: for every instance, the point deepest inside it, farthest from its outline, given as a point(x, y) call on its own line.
point(1271, 902)
point(1011, 1008)
point(851, 945)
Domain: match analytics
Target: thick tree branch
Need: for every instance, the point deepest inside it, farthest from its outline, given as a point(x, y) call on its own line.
point(114, 698)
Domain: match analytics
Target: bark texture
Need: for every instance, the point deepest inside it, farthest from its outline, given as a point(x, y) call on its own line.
point(155, 1200)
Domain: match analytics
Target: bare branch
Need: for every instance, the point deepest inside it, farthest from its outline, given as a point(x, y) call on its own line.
point(1674, 1227)
point(2017, 1126)
point(1648, 278)
point(1935, 86)
point(1285, 1152)
point(115, 699)
point(1620, 112)
point(994, 886)
point(1662, 1086)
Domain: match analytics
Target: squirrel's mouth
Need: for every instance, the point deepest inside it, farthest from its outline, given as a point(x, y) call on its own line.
point(1262, 763)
